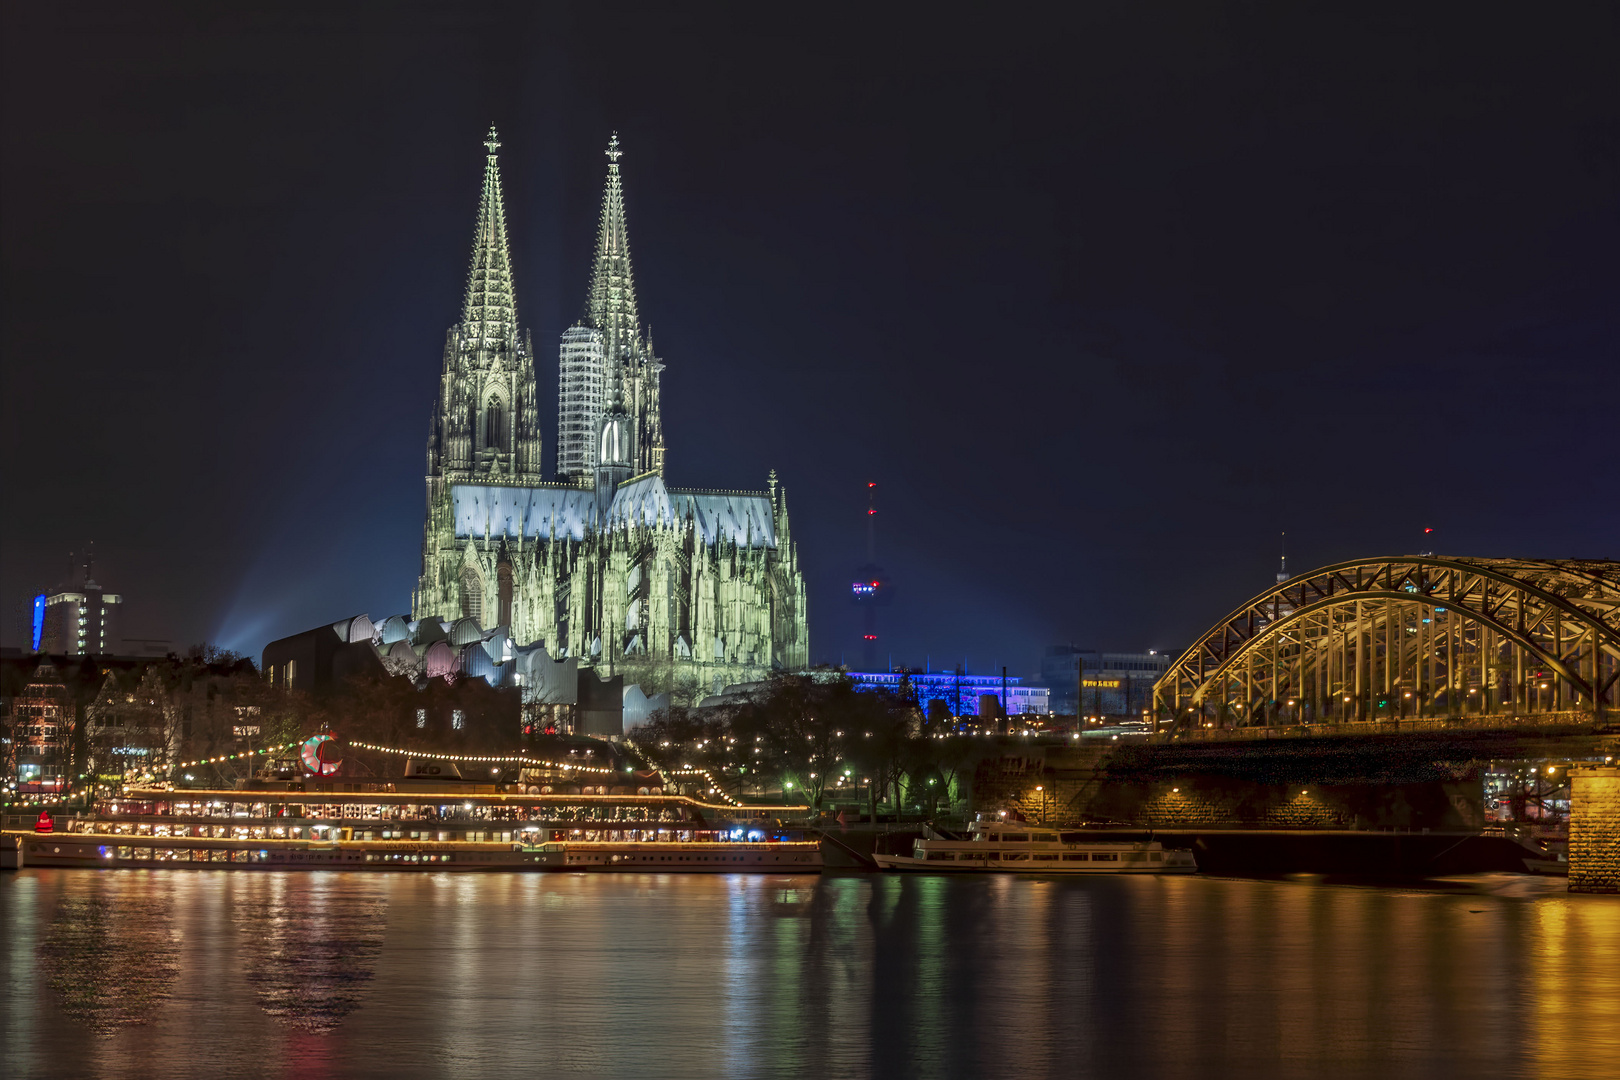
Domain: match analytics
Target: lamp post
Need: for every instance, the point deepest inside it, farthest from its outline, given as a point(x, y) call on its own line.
point(1041, 788)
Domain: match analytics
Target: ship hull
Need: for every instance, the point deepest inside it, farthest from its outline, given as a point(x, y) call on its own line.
point(109, 851)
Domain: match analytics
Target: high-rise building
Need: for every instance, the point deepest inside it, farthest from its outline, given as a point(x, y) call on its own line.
point(80, 619)
point(600, 561)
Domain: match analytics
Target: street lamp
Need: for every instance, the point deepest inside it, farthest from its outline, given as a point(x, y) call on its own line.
point(1040, 788)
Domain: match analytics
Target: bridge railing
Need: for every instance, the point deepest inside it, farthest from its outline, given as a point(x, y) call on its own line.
point(1566, 718)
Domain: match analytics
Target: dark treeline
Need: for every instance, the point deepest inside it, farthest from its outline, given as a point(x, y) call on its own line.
point(817, 738)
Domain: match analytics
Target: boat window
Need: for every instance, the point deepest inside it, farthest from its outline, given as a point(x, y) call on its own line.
point(1015, 855)
point(1074, 837)
point(942, 856)
point(1074, 856)
point(1135, 856)
point(1014, 837)
point(1157, 857)
point(1044, 838)
point(1105, 856)
point(992, 855)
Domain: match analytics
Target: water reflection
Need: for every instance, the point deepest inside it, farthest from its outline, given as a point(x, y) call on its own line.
point(109, 950)
point(309, 943)
point(857, 976)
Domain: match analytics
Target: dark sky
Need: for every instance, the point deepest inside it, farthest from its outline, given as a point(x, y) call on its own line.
point(1102, 297)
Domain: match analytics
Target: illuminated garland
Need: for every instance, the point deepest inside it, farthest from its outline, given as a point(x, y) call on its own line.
point(232, 757)
point(688, 771)
point(486, 759)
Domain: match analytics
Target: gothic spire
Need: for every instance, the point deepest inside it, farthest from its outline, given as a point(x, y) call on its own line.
point(612, 301)
point(489, 316)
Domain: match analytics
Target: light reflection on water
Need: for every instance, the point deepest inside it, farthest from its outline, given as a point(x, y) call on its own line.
point(215, 973)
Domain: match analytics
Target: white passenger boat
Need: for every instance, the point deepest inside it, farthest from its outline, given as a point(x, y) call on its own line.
point(413, 823)
point(1010, 847)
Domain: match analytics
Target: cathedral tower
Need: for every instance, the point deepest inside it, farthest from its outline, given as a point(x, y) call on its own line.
point(605, 358)
point(486, 427)
point(679, 589)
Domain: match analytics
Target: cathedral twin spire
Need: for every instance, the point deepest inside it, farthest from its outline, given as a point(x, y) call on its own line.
point(606, 368)
point(489, 315)
point(612, 301)
point(486, 423)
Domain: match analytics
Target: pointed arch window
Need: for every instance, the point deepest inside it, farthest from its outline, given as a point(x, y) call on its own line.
point(472, 595)
point(503, 580)
point(495, 424)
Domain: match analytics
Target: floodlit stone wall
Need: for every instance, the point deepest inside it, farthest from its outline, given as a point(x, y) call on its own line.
point(1594, 830)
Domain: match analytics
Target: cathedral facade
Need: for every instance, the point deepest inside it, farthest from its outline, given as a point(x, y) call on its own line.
point(598, 559)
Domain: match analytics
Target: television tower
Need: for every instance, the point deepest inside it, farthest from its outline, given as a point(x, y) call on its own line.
point(871, 588)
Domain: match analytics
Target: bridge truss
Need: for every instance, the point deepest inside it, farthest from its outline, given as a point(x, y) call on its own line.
point(1408, 637)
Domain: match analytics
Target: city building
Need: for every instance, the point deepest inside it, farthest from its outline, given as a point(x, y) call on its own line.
point(78, 619)
point(597, 561)
point(1114, 683)
point(961, 693)
point(38, 728)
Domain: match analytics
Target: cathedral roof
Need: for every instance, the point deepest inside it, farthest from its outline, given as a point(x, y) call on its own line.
point(740, 517)
point(489, 315)
point(502, 510)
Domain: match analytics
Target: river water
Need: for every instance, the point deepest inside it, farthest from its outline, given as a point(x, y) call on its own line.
point(174, 973)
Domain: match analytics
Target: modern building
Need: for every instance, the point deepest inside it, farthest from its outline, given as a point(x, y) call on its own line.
point(78, 619)
point(1114, 684)
point(598, 560)
point(546, 696)
point(961, 693)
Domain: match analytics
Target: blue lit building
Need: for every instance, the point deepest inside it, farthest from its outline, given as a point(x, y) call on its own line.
point(961, 692)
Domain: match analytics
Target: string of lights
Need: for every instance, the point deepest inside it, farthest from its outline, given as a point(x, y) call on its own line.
point(486, 759)
point(232, 757)
point(714, 785)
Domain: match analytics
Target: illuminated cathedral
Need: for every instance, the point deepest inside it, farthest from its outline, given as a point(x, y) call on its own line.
point(596, 559)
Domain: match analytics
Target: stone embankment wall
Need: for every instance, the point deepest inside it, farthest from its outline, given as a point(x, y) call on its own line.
point(1594, 830)
point(1096, 784)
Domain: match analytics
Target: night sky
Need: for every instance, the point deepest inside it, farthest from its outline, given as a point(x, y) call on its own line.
point(1102, 298)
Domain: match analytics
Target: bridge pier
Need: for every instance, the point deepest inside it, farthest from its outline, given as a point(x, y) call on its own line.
point(1594, 830)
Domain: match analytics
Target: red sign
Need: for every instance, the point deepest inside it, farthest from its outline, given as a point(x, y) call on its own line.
point(45, 823)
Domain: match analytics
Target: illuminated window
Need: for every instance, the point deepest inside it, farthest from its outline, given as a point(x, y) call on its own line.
point(421, 718)
point(458, 719)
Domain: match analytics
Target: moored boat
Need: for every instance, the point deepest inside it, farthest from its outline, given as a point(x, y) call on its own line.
point(1009, 847)
point(415, 824)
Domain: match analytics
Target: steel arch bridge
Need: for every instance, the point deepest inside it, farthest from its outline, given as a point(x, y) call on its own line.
point(1408, 637)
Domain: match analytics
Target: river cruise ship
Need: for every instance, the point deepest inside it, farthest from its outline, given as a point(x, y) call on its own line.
point(416, 824)
point(1016, 848)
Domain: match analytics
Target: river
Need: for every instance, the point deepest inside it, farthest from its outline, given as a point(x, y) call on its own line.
point(136, 973)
